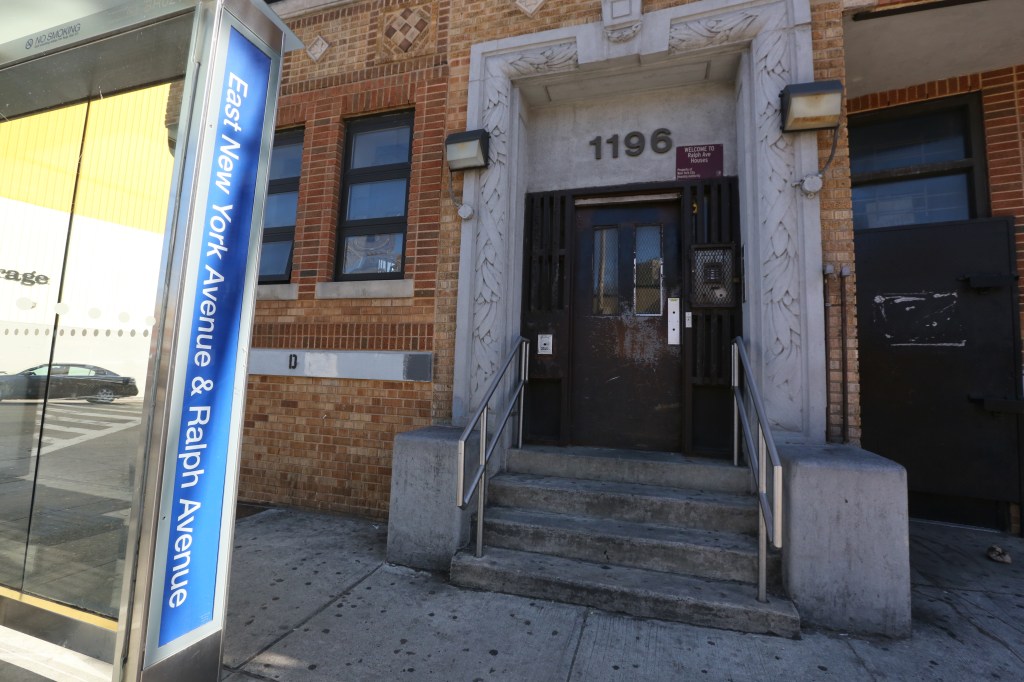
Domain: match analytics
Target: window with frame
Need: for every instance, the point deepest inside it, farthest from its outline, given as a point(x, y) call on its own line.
point(281, 208)
point(375, 197)
point(917, 164)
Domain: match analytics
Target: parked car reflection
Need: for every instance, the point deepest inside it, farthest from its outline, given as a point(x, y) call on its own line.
point(68, 380)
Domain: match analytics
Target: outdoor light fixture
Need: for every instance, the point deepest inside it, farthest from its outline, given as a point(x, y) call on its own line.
point(813, 106)
point(467, 150)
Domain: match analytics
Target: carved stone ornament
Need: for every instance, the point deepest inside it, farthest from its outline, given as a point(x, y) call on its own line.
point(529, 7)
point(490, 266)
point(617, 12)
point(316, 49)
point(779, 256)
point(623, 34)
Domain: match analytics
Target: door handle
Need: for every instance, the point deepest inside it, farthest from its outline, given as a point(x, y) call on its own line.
point(986, 280)
point(1006, 405)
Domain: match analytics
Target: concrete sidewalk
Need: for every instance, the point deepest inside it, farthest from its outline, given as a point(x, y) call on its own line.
point(313, 600)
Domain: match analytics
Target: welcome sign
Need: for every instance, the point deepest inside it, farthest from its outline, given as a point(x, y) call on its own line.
point(201, 441)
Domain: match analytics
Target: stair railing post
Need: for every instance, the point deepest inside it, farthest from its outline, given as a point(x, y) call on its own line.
point(481, 490)
point(762, 526)
point(460, 475)
point(735, 406)
point(524, 358)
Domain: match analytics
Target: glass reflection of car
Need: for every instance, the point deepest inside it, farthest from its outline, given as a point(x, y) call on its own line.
point(68, 380)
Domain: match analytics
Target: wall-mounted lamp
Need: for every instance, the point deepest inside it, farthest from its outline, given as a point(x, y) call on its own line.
point(467, 150)
point(813, 106)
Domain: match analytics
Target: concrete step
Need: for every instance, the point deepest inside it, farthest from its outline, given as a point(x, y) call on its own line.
point(626, 502)
point(628, 466)
point(634, 591)
point(709, 554)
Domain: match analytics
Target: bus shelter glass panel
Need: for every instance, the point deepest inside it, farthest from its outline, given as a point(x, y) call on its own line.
point(37, 184)
point(84, 195)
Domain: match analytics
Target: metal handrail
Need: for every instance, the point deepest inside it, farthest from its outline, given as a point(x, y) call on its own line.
point(463, 497)
point(769, 511)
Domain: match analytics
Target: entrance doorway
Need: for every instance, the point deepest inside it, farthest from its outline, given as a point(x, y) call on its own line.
point(626, 364)
point(631, 300)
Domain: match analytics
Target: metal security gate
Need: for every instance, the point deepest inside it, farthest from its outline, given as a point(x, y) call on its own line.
point(940, 364)
point(630, 299)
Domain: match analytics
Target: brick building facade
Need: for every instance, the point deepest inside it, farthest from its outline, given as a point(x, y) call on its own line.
point(323, 439)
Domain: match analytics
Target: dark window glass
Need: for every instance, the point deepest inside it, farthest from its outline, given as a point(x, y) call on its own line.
point(275, 256)
point(915, 141)
point(381, 147)
point(911, 202)
point(380, 199)
point(286, 160)
point(373, 253)
point(375, 197)
point(606, 271)
point(280, 210)
point(918, 164)
point(647, 271)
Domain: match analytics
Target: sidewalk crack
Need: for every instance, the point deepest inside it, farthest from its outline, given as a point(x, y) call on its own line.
point(956, 604)
point(860, 659)
point(579, 643)
point(332, 599)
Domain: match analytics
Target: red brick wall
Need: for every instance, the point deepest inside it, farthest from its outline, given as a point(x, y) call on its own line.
point(326, 443)
point(837, 232)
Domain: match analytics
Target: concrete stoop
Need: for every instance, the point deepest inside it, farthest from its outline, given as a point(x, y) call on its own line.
point(647, 534)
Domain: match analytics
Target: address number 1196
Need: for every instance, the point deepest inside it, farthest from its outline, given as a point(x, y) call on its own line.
point(633, 143)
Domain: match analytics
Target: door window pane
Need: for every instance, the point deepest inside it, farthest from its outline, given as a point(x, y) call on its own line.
point(911, 202)
point(381, 199)
point(606, 271)
point(373, 253)
point(381, 147)
point(647, 271)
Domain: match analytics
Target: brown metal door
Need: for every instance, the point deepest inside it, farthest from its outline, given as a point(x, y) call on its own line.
point(626, 377)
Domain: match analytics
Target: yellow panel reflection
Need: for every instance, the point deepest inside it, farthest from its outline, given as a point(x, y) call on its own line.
point(86, 190)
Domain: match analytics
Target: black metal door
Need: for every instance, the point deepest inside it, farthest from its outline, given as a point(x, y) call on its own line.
point(711, 231)
point(627, 376)
point(940, 363)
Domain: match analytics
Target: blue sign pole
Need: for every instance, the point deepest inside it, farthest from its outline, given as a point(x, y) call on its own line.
point(190, 575)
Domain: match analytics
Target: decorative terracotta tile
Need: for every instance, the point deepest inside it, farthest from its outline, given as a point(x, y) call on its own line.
point(403, 28)
point(529, 6)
